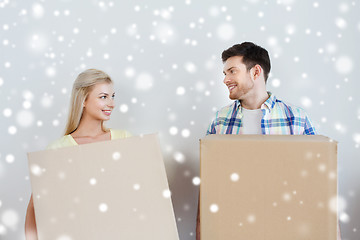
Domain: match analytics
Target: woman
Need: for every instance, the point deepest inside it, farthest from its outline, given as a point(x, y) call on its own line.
point(92, 101)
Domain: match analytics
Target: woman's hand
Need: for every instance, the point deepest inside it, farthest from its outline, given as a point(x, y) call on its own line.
point(30, 222)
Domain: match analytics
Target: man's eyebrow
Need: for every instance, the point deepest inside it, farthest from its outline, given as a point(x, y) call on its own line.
point(228, 69)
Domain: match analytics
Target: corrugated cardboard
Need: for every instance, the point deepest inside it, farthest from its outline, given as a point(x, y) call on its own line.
point(106, 190)
point(269, 187)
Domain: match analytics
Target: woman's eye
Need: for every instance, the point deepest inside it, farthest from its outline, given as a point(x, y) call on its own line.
point(103, 97)
point(113, 96)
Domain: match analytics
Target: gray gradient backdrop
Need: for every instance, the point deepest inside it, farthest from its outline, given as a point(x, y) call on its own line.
point(164, 57)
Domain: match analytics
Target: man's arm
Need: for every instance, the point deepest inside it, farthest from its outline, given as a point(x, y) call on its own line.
point(309, 128)
point(198, 220)
point(212, 127)
point(338, 231)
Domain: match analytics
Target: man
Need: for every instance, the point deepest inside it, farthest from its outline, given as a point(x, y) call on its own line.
point(254, 111)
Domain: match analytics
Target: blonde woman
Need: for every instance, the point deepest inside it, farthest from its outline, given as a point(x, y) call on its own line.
point(92, 101)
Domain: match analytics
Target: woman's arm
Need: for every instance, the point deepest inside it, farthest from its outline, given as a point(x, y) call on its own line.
point(30, 222)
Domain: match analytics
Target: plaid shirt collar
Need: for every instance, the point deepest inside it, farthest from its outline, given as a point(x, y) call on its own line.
point(267, 105)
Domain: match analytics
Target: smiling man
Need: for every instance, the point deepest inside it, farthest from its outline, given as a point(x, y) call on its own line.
point(255, 111)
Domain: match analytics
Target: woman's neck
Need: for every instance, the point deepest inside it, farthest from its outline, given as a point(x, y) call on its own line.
point(89, 128)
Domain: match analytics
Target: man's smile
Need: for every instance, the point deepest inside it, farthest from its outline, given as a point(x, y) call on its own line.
point(231, 86)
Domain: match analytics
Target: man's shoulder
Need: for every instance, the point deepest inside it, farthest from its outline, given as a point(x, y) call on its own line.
point(221, 118)
point(289, 108)
point(294, 115)
point(224, 111)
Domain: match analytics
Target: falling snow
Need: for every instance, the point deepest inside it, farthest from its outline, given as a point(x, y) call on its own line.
point(251, 218)
point(36, 170)
point(7, 112)
point(185, 133)
point(179, 157)
point(124, 108)
point(286, 197)
point(64, 237)
point(180, 91)
point(234, 177)
point(2, 230)
point(173, 130)
point(275, 82)
point(190, 67)
point(103, 207)
point(344, 65)
point(25, 118)
point(225, 32)
point(306, 102)
point(12, 130)
point(10, 218)
point(47, 101)
point(116, 156)
point(92, 181)
point(166, 193)
point(38, 10)
point(196, 181)
point(214, 208)
point(164, 57)
point(144, 82)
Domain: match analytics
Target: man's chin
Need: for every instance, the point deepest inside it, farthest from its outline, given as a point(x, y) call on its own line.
point(233, 97)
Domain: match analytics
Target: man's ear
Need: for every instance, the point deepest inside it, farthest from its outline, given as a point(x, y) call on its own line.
point(256, 72)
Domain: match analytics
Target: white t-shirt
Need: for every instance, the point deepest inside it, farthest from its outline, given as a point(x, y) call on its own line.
point(251, 121)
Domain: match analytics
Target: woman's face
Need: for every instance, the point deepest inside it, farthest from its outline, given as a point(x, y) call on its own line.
point(100, 102)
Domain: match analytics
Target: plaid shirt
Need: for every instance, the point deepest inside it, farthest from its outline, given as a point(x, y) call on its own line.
point(278, 118)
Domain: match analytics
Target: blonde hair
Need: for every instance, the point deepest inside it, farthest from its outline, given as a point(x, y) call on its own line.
point(81, 88)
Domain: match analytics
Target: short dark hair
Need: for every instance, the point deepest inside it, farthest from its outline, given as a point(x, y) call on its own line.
point(251, 54)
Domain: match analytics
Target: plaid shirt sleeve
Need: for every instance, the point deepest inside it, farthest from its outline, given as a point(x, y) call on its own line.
point(211, 129)
point(309, 129)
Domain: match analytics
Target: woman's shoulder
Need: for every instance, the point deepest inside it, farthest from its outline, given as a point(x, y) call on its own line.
point(68, 141)
point(119, 133)
point(65, 141)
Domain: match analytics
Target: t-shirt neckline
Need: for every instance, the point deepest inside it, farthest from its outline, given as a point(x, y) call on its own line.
point(74, 142)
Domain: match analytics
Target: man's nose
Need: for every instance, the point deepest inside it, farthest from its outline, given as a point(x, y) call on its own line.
point(225, 79)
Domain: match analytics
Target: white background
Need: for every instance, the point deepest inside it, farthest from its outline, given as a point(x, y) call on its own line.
point(164, 57)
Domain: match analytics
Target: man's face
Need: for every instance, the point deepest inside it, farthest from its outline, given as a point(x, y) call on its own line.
point(237, 78)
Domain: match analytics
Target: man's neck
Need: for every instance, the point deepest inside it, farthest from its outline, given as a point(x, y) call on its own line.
point(254, 101)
